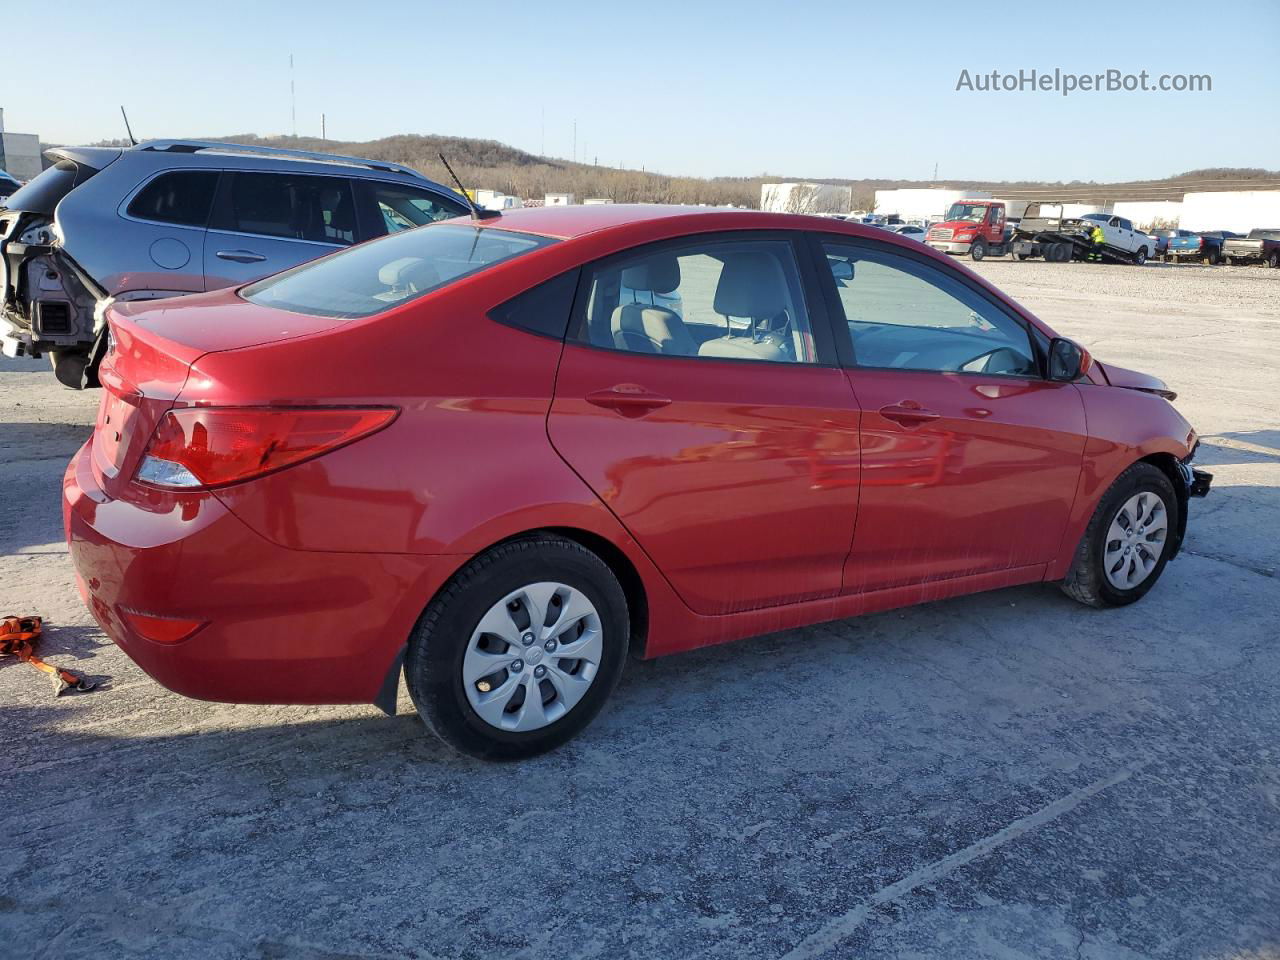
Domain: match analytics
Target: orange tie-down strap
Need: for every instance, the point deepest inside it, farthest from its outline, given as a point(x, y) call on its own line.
point(18, 636)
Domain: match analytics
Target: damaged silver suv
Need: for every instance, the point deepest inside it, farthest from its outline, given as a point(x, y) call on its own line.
point(171, 217)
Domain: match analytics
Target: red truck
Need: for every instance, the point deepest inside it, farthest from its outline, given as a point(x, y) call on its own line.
point(975, 227)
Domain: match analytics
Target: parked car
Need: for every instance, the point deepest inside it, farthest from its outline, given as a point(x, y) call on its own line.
point(910, 231)
point(1162, 237)
point(543, 475)
point(1261, 246)
point(174, 217)
point(1205, 247)
point(9, 185)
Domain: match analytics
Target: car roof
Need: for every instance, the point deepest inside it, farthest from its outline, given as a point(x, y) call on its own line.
point(569, 222)
point(217, 154)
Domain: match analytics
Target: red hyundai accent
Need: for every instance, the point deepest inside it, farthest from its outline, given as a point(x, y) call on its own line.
point(500, 455)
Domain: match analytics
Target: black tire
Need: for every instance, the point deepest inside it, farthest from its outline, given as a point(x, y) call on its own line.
point(1141, 258)
point(433, 663)
point(1087, 581)
point(978, 249)
point(1274, 260)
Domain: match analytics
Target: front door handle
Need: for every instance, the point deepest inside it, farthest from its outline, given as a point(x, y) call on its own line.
point(628, 399)
point(240, 256)
point(908, 413)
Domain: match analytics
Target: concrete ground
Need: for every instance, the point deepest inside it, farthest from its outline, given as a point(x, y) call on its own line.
point(1008, 775)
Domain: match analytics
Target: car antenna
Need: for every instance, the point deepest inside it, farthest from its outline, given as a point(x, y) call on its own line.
point(476, 213)
point(127, 128)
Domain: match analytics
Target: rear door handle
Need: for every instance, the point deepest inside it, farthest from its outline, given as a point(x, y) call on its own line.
point(628, 399)
point(908, 413)
point(240, 256)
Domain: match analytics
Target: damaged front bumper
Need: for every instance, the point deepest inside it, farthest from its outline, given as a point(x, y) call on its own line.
point(1197, 481)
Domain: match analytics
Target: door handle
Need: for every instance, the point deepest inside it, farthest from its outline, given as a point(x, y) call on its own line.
point(628, 399)
point(240, 256)
point(908, 413)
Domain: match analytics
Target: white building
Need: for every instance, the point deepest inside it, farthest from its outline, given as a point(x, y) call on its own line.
point(1236, 210)
point(496, 200)
point(928, 203)
point(557, 199)
point(19, 153)
point(1149, 214)
point(805, 198)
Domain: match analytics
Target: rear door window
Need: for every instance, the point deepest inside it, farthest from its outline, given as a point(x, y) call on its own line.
point(292, 206)
point(393, 207)
point(181, 196)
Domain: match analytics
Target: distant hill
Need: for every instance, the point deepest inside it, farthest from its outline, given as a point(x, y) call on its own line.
point(497, 166)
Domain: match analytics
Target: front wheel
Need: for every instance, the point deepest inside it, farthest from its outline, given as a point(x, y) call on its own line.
point(518, 653)
point(978, 250)
point(1128, 542)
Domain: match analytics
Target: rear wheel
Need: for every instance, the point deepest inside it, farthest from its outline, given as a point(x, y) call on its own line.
point(978, 250)
point(1141, 258)
point(520, 650)
point(1274, 260)
point(1127, 543)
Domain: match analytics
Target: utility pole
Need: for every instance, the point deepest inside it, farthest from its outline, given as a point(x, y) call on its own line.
point(322, 130)
point(935, 171)
point(293, 101)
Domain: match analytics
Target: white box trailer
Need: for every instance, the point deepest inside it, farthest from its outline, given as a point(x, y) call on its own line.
point(805, 198)
point(927, 204)
point(1237, 210)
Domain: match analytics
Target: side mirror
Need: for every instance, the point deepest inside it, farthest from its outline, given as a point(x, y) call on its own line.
point(1068, 361)
point(841, 269)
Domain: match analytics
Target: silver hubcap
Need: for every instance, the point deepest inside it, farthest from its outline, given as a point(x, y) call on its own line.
point(1135, 540)
point(532, 657)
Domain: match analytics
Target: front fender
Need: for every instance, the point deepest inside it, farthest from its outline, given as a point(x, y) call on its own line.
point(1124, 426)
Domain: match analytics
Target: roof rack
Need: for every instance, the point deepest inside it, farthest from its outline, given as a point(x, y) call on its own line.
point(197, 146)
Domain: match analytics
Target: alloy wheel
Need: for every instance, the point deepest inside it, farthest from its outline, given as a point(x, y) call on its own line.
point(532, 657)
point(1135, 540)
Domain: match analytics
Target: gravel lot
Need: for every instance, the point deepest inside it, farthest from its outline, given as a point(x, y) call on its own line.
point(1008, 775)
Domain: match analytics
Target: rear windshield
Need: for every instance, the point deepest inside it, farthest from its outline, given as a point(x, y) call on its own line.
point(1264, 234)
point(42, 194)
point(385, 273)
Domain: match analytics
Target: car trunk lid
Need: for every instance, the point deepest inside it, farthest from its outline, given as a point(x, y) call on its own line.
point(141, 376)
point(154, 345)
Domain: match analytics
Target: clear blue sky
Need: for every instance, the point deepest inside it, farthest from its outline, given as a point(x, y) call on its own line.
point(735, 88)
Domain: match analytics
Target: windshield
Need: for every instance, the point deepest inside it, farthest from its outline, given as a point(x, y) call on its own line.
point(1259, 233)
point(387, 272)
point(970, 212)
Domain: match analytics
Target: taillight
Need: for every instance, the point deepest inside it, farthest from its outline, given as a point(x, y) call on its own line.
point(200, 447)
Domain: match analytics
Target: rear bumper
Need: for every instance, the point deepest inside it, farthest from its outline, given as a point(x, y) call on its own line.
point(279, 625)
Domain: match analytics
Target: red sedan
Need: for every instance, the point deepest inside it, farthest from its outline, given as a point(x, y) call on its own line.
point(502, 454)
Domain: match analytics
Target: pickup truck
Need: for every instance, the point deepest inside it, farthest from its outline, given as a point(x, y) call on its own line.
point(1205, 246)
point(1045, 232)
point(1261, 246)
point(1162, 238)
point(1121, 236)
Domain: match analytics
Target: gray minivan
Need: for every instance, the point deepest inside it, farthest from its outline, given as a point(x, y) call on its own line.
point(171, 217)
